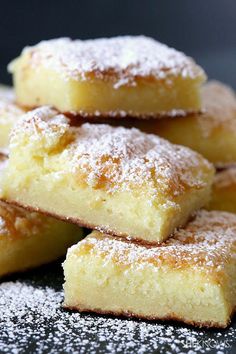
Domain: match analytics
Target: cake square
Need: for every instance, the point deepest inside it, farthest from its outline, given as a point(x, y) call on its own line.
point(212, 134)
point(9, 113)
point(29, 239)
point(190, 278)
point(108, 77)
point(122, 181)
point(224, 190)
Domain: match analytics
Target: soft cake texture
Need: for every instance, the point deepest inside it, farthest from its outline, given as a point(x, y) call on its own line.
point(212, 134)
point(119, 180)
point(191, 277)
point(224, 190)
point(135, 76)
point(9, 114)
point(29, 239)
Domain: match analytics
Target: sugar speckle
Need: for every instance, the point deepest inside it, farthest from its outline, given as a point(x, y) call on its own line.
point(121, 59)
point(206, 243)
point(219, 102)
point(113, 158)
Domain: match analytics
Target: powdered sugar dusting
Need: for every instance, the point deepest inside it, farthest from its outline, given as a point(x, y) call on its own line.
point(9, 111)
point(121, 59)
point(115, 158)
point(219, 102)
point(32, 321)
point(129, 113)
point(207, 242)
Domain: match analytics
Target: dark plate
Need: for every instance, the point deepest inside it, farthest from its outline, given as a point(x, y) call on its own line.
point(32, 321)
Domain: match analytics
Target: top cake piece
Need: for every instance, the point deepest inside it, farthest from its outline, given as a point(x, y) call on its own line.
point(135, 76)
point(118, 180)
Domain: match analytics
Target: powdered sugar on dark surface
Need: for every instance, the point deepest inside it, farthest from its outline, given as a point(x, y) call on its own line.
point(33, 321)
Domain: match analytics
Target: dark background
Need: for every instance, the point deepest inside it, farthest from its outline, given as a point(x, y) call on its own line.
point(204, 29)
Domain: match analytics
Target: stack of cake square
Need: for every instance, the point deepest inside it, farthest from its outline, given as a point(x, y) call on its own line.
point(77, 155)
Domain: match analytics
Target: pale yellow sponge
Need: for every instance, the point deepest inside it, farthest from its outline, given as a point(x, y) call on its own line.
point(212, 134)
point(191, 277)
point(29, 239)
point(122, 76)
point(119, 180)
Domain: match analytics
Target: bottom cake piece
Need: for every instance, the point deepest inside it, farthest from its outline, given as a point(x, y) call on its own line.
point(190, 278)
point(30, 239)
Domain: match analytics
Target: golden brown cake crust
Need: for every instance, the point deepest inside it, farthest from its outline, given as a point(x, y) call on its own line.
point(122, 60)
point(172, 317)
point(3, 157)
point(113, 117)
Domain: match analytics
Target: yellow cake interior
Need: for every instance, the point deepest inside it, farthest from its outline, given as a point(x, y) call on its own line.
point(134, 76)
point(190, 277)
point(212, 134)
point(224, 191)
point(113, 179)
point(29, 239)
